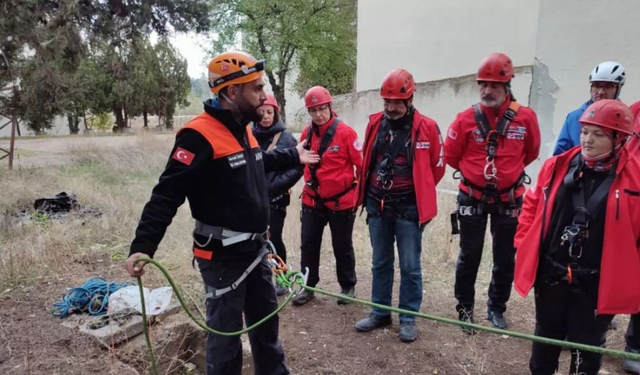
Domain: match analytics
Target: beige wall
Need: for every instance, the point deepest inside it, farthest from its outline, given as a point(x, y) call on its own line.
point(437, 39)
point(574, 36)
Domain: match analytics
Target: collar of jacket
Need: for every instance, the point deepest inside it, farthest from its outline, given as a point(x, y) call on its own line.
point(213, 108)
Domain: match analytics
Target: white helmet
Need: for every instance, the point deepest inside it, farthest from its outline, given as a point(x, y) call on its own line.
point(608, 71)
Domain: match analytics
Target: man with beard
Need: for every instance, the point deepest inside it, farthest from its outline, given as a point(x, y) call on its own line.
point(489, 145)
point(217, 164)
point(403, 163)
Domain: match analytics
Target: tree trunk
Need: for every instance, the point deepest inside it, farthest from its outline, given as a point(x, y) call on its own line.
point(278, 93)
point(84, 117)
point(120, 122)
point(144, 117)
point(73, 122)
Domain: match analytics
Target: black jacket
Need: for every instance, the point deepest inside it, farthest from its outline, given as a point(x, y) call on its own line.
point(279, 181)
point(220, 191)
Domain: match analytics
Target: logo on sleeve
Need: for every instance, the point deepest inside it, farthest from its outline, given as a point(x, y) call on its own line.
point(183, 156)
point(357, 144)
point(422, 145)
point(452, 134)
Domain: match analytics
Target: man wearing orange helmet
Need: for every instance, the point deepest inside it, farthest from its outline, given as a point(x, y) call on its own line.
point(329, 193)
point(577, 240)
point(403, 163)
point(489, 145)
point(217, 164)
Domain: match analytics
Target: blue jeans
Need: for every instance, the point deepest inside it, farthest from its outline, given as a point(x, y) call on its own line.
point(398, 222)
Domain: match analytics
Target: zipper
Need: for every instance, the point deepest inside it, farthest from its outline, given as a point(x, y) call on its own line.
point(617, 204)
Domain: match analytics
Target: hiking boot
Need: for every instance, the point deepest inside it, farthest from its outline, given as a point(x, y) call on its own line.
point(281, 291)
point(372, 322)
point(408, 332)
point(497, 319)
point(349, 292)
point(302, 298)
point(465, 315)
point(631, 366)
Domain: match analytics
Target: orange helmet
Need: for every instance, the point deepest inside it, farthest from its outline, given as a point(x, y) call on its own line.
point(271, 100)
point(611, 114)
point(497, 67)
point(231, 68)
point(317, 95)
point(398, 84)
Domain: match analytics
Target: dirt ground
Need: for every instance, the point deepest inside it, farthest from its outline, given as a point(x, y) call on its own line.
point(319, 338)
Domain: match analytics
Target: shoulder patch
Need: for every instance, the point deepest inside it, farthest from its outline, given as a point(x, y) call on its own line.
point(357, 144)
point(183, 156)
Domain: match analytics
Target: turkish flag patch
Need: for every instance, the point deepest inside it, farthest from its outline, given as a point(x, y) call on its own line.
point(183, 156)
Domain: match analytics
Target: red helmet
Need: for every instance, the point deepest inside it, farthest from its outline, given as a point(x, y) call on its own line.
point(497, 67)
point(609, 113)
point(398, 84)
point(317, 95)
point(271, 100)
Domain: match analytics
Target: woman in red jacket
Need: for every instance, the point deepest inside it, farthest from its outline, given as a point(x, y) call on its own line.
point(329, 191)
point(577, 239)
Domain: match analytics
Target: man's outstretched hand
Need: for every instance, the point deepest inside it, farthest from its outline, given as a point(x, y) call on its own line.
point(307, 156)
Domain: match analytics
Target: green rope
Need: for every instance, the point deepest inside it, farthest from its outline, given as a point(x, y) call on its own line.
point(478, 327)
point(292, 279)
point(190, 314)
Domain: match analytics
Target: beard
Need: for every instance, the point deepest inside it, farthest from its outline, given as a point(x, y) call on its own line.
point(248, 111)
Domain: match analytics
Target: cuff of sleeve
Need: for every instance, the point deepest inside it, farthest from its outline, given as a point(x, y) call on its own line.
point(148, 249)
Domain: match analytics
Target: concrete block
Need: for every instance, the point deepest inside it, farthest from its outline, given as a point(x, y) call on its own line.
point(114, 333)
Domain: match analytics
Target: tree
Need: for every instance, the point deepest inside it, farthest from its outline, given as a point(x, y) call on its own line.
point(317, 36)
point(173, 81)
point(144, 68)
point(47, 40)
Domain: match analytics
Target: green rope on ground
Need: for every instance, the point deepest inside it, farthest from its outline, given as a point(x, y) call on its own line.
point(291, 279)
point(478, 327)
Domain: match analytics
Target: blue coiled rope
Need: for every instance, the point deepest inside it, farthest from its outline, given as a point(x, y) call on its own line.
point(92, 297)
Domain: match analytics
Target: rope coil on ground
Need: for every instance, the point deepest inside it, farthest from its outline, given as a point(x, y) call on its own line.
point(293, 279)
point(92, 297)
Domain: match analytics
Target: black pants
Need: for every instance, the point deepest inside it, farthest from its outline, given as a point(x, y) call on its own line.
point(472, 231)
point(563, 311)
point(341, 225)
point(256, 297)
point(276, 225)
point(633, 334)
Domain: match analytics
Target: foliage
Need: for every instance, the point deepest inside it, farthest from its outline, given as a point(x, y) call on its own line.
point(71, 57)
point(316, 36)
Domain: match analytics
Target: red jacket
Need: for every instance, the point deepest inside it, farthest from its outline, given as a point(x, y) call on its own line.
point(339, 167)
point(634, 143)
point(428, 162)
point(619, 289)
point(466, 150)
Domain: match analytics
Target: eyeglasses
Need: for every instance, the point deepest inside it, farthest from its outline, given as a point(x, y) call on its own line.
point(604, 86)
point(319, 109)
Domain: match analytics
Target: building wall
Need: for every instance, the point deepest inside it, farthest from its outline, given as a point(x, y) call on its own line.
point(573, 37)
point(436, 39)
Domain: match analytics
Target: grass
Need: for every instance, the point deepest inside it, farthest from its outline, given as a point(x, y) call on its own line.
point(118, 182)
